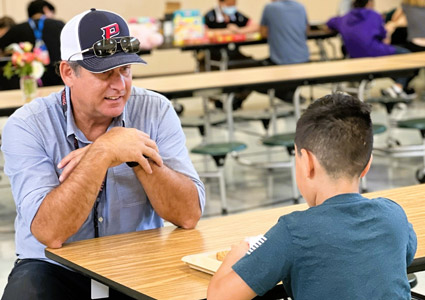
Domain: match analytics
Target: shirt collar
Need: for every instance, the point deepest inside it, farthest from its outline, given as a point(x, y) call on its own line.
point(343, 198)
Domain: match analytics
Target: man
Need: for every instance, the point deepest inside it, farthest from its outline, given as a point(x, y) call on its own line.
point(66, 156)
point(285, 24)
point(5, 24)
point(228, 19)
point(225, 19)
point(48, 28)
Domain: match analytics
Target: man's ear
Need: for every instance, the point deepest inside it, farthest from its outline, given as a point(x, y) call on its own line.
point(366, 169)
point(67, 74)
point(308, 163)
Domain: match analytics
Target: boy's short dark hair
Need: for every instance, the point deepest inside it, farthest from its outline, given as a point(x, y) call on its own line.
point(337, 129)
point(37, 6)
point(360, 3)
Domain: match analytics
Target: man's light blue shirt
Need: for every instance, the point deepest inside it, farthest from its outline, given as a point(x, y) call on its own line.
point(38, 136)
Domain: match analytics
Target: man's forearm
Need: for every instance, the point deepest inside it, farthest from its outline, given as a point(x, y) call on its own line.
point(173, 195)
point(66, 207)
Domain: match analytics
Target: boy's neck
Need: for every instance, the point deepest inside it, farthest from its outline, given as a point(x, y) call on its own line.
point(336, 187)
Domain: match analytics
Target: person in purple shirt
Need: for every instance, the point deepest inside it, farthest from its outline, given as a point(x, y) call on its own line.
point(364, 35)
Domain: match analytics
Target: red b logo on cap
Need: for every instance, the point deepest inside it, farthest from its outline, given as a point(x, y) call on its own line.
point(110, 31)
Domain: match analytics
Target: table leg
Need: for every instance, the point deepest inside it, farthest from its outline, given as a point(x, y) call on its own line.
point(296, 102)
point(229, 115)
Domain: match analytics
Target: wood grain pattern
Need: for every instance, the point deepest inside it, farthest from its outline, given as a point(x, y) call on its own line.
point(149, 262)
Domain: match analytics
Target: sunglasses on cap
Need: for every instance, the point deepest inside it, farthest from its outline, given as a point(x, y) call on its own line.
point(108, 47)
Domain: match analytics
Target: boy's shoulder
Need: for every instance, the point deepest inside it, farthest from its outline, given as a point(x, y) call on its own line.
point(344, 204)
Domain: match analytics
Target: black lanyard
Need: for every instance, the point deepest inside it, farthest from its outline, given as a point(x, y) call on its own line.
point(102, 187)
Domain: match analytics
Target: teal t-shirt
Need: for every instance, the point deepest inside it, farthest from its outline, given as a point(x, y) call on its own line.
point(350, 247)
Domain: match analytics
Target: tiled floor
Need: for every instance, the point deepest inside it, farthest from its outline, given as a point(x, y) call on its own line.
point(249, 188)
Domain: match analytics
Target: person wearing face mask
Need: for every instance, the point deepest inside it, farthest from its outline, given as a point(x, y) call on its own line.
point(225, 19)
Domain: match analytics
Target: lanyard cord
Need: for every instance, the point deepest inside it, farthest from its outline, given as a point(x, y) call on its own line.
point(38, 30)
point(102, 187)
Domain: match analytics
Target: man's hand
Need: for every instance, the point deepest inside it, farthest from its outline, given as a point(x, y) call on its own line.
point(123, 144)
point(233, 28)
point(70, 161)
point(129, 144)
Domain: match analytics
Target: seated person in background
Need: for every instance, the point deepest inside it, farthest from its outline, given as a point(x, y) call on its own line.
point(50, 30)
point(415, 14)
point(344, 246)
point(285, 24)
point(6, 84)
point(5, 24)
point(396, 26)
point(225, 19)
point(364, 35)
point(66, 156)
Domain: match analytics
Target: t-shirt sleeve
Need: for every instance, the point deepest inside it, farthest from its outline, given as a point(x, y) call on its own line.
point(264, 17)
point(242, 19)
point(210, 20)
point(269, 263)
point(411, 246)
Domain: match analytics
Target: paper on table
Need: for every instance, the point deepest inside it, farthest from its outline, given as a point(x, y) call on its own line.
point(205, 262)
point(208, 263)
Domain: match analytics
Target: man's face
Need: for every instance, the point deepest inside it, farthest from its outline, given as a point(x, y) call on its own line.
point(101, 95)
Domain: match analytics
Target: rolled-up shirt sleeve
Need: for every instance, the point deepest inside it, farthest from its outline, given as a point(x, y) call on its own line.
point(171, 142)
point(30, 170)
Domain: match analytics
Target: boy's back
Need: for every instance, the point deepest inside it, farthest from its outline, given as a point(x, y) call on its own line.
point(349, 247)
point(344, 246)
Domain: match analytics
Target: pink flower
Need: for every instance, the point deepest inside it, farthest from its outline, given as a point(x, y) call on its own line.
point(28, 57)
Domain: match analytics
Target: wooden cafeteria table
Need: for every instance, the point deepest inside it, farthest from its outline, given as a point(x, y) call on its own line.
point(147, 264)
point(231, 81)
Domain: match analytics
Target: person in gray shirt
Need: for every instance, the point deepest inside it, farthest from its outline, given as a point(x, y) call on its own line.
point(415, 14)
point(285, 24)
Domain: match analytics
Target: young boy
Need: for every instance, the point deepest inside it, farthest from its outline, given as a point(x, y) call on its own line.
point(344, 246)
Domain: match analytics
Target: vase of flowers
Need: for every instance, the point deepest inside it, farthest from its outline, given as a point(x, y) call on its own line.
point(28, 85)
point(28, 65)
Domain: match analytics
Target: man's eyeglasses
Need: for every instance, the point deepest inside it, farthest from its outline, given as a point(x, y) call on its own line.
point(108, 47)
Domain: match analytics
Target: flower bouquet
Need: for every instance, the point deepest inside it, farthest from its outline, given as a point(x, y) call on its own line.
point(28, 65)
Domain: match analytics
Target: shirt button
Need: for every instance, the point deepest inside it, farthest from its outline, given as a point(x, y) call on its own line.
point(100, 219)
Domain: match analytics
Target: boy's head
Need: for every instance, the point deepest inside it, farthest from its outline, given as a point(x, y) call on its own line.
point(337, 130)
